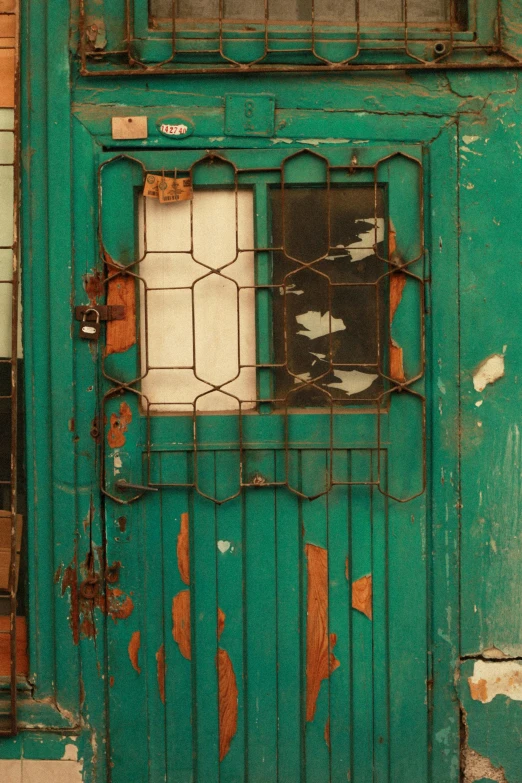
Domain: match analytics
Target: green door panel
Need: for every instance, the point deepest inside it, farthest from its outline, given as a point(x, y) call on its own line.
point(272, 611)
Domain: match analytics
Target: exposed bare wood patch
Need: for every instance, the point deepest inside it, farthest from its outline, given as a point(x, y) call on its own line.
point(134, 649)
point(327, 732)
point(94, 286)
point(181, 623)
point(227, 688)
point(396, 362)
point(121, 290)
point(118, 426)
point(320, 660)
point(160, 665)
point(220, 622)
point(397, 283)
point(362, 595)
point(22, 661)
point(183, 551)
point(7, 77)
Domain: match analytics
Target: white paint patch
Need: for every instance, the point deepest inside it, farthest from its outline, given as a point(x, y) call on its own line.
point(496, 678)
point(304, 376)
point(441, 386)
point(290, 289)
point(479, 403)
point(470, 139)
point(489, 371)
point(353, 381)
point(317, 325)
point(367, 239)
point(118, 464)
point(223, 546)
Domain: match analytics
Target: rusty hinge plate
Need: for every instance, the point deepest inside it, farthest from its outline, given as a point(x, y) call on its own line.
point(105, 312)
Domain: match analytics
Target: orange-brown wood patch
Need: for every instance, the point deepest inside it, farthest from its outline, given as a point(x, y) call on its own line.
point(118, 427)
point(220, 622)
point(362, 595)
point(134, 649)
point(227, 689)
point(320, 660)
point(7, 78)
point(160, 664)
point(183, 551)
point(327, 732)
point(22, 661)
point(397, 283)
point(121, 290)
point(181, 623)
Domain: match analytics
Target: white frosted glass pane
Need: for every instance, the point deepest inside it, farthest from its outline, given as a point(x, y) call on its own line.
point(6, 205)
point(213, 317)
point(6, 147)
point(6, 119)
point(6, 292)
point(6, 264)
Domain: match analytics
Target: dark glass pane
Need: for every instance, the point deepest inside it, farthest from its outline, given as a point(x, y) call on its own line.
point(329, 318)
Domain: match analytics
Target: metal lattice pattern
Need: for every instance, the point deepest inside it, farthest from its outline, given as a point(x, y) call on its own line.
point(317, 41)
point(303, 305)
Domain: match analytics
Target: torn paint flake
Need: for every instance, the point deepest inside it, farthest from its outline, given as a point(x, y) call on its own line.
point(319, 325)
point(352, 381)
point(320, 660)
point(477, 768)
point(181, 623)
point(183, 551)
point(362, 595)
point(134, 649)
point(367, 239)
point(489, 371)
point(496, 678)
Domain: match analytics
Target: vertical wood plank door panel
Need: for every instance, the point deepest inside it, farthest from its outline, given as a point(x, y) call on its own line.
point(266, 467)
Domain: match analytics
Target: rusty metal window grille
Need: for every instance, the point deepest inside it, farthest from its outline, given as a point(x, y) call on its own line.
point(308, 297)
point(203, 36)
point(11, 470)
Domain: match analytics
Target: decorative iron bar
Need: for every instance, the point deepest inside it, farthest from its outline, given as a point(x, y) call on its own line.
point(319, 298)
point(315, 41)
point(9, 302)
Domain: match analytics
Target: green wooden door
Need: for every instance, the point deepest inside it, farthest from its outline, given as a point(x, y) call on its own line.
point(268, 440)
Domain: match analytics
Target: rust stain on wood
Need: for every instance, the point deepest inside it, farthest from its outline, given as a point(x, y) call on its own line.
point(227, 689)
point(93, 285)
point(22, 661)
point(181, 623)
point(121, 290)
point(320, 660)
point(134, 649)
point(161, 668)
point(327, 732)
point(118, 426)
point(70, 581)
point(116, 604)
point(183, 551)
point(362, 595)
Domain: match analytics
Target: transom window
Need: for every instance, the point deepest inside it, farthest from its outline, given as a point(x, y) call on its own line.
point(337, 11)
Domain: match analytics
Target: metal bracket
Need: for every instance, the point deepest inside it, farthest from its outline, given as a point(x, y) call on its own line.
point(105, 312)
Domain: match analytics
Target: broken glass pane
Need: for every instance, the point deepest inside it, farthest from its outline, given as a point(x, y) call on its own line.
point(329, 309)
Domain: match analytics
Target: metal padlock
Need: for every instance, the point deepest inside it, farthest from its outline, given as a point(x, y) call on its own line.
point(90, 330)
